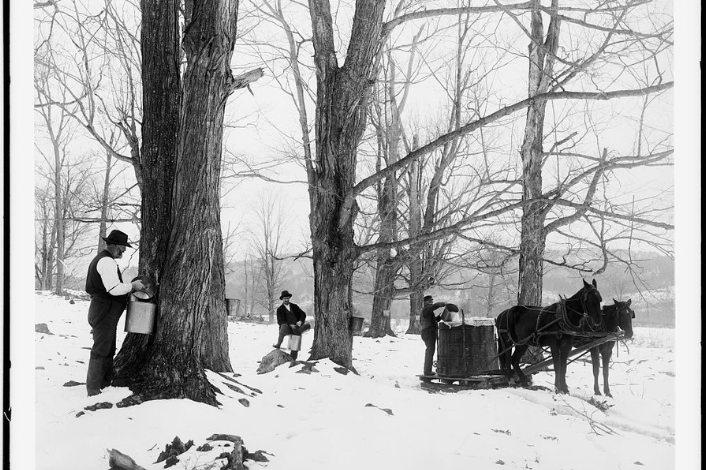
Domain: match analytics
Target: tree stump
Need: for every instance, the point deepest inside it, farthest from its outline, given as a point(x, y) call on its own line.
point(119, 461)
point(273, 359)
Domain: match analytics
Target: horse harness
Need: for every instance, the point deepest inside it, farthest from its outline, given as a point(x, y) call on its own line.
point(566, 326)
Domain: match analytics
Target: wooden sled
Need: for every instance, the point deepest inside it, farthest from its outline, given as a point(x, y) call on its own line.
point(489, 379)
point(580, 351)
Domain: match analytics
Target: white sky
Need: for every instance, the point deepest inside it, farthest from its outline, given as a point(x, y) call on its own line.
point(688, 218)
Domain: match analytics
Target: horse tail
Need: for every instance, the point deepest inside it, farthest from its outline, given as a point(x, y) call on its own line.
point(504, 340)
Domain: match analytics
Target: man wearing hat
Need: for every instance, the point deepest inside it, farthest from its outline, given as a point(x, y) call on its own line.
point(290, 319)
point(109, 296)
point(428, 323)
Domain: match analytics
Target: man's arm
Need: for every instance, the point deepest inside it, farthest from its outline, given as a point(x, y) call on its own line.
point(434, 307)
point(438, 305)
point(281, 315)
point(301, 315)
point(108, 270)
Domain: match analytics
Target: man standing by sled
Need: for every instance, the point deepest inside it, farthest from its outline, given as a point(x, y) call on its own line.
point(428, 323)
point(109, 296)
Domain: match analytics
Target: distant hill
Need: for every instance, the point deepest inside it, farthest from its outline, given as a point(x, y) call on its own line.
point(652, 294)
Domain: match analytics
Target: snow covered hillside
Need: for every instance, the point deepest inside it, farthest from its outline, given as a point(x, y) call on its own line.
point(380, 419)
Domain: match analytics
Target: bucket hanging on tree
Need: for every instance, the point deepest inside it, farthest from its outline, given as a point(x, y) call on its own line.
point(356, 324)
point(232, 307)
point(141, 309)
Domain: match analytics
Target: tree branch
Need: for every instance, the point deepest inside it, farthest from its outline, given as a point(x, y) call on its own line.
point(474, 125)
point(245, 79)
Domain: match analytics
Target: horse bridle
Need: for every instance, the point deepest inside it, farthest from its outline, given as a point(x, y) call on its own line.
point(586, 317)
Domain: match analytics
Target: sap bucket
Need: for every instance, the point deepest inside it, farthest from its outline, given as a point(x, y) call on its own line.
point(232, 307)
point(295, 342)
point(140, 316)
point(356, 324)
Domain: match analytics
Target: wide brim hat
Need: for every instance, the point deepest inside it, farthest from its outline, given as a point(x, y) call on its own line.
point(116, 237)
point(285, 293)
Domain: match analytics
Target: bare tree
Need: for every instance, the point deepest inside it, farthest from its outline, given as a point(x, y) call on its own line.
point(269, 245)
point(96, 62)
point(89, 55)
point(550, 72)
point(336, 187)
point(187, 142)
point(252, 275)
point(342, 93)
point(59, 132)
point(387, 122)
point(45, 238)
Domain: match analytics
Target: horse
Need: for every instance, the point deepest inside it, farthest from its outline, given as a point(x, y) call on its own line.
point(615, 317)
point(553, 326)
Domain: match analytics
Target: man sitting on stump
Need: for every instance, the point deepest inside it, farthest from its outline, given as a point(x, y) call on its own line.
point(428, 323)
point(290, 319)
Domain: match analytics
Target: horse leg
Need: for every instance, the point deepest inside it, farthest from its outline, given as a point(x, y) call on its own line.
point(595, 362)
point(516, 356)
point(565, 348)
point(607, 353)
point(559, 359)
point(504, 355)
point(556, 360)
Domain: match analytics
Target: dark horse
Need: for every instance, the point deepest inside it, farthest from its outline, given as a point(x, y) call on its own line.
point(553, 326)
point(616, 317)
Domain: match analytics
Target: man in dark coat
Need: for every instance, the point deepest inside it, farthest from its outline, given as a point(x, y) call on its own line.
point(109, 296)
point(290, 319)
point(428, 323)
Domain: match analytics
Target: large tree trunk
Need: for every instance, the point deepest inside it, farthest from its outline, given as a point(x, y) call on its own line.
point(161, 97)
point(342, 93)
point(191, 333)
point(533, 234)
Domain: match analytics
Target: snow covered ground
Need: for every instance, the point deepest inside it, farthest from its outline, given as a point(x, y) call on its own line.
point(379, 419)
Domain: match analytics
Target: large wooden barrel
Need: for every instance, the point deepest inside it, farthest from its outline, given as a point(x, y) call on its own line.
point(467, 349)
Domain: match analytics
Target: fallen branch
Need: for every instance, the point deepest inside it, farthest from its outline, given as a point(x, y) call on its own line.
point(595, 425)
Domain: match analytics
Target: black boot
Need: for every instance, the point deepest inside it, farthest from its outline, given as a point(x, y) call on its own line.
point(107, 373)
point(278, 344)
point(294, 354)
point(94, 376)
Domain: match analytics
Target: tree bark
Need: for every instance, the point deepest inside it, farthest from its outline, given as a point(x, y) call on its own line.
point(340, 121)
point(59, 225)
point(191, 333)
point(389, 136)
point(161, 98)
point(415, 263)
point(102, 226)
point(382, 297)
point(533, 235)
